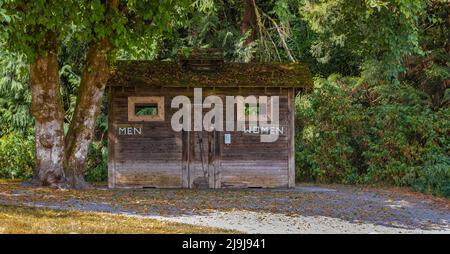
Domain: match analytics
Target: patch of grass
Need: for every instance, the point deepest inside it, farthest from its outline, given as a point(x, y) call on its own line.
point(29, 220)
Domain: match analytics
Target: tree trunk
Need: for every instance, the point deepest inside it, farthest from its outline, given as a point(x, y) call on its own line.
point(81, 131)
point(47, 109)
point(249, 20)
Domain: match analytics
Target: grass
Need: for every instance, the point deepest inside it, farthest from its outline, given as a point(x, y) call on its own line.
point(29, 220)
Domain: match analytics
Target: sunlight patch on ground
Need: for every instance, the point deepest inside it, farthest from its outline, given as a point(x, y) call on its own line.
point(19, 220)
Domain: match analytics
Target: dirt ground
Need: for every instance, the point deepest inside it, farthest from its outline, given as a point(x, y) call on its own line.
point(305, 209)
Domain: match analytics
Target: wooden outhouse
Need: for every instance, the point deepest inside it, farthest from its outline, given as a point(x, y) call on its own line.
point(146, 152)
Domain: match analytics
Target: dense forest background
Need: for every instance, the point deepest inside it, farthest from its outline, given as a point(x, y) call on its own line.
point(378, 114)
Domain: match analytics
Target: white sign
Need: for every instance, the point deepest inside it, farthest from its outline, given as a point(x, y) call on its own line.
point(227, 138)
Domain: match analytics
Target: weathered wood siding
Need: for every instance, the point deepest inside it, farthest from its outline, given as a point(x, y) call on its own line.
point(152, 159)
point(249, 163)
point(163, 158)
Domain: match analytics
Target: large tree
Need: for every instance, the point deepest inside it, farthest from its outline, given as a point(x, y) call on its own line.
point(249, 20)
point(37, 28)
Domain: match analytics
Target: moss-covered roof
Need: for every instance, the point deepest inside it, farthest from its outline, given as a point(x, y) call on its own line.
point(170, 74)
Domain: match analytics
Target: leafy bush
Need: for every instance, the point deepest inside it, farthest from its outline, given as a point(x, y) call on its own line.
point(97, 168)
point(16, 156)
point(97, 164)
point(355, 133)
point(326, 150)
point(435, 176)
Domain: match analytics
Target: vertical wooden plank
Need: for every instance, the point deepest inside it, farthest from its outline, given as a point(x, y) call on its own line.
point(191, 159)
point(111, 141)
point(216, 162)
point(291, 138)
point(210, 150)
point(185, 159)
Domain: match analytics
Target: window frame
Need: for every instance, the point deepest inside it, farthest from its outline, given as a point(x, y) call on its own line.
point(256, 117)
point(155, 100)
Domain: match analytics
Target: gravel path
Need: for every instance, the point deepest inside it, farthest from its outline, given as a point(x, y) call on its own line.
point(305, 209)
point(269, 223)
point(272, 223)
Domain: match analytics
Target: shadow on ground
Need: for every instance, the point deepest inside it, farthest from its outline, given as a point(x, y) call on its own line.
point(385, 207)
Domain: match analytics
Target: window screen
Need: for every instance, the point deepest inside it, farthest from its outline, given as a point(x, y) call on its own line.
point(146, 109)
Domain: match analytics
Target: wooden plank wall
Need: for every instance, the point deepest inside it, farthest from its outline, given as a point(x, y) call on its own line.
point(163, 158)
point(249, 163)
point(153, 159)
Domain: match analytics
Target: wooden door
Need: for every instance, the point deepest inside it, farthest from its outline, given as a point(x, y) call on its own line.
point(202, 154)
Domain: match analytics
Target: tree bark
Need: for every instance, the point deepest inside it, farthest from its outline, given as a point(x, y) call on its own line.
point(47, 109)
point(81, 130)
point(249, 20)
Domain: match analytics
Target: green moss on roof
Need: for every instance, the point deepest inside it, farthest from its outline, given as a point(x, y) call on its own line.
point(170, 74)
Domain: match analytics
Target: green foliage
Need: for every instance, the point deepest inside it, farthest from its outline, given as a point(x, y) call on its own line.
point(331, 126)
point(382, 118)
point(97, 162)
point(16, 156)
point(213, 24)
point(97, 169)
point(435, 176)
point(15, 94)
point(378, 34)
point(32, 28)
point(33, 23)
point(35, 27)
point(353, 132)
